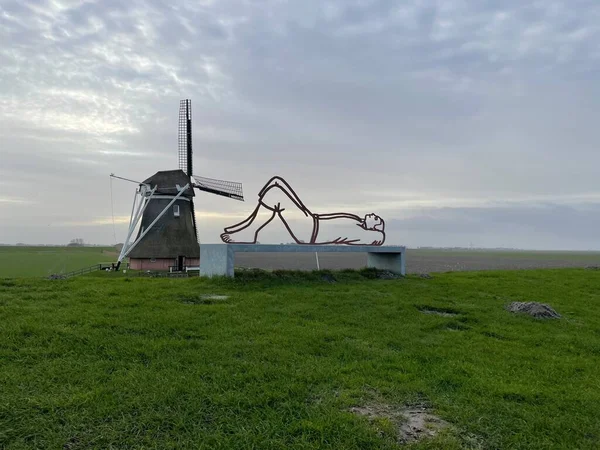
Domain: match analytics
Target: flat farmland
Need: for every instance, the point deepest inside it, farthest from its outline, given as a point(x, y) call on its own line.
point(427, 260)
point(44, 261)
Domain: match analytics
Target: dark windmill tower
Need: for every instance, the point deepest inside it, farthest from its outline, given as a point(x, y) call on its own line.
point(167, 238)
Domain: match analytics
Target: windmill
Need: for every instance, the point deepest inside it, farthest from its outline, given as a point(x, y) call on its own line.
point(163, 207)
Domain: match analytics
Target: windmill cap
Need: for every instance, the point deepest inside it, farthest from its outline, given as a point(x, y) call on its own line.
point(168, 180)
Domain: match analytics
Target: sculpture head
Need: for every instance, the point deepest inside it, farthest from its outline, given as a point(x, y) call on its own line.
point(374, 222)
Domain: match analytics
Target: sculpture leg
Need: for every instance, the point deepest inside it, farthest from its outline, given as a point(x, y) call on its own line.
point(277, 201)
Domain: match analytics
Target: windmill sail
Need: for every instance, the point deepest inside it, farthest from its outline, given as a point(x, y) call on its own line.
point(185, 136)
point(194, 221)
point(184, 139)
point(229, 189)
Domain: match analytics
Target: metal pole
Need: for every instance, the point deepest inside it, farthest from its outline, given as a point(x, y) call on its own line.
point(133, 214)
point(317, 257)
point(127, 179)
point(138, 215)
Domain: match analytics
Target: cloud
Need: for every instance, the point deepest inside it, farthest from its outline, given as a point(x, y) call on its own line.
point(362, 105)
point(118, 220)
point(14, 201)
point(546, 226)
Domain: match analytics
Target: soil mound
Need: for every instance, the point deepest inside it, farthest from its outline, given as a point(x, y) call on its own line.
point(413, 423)
point(534, 309)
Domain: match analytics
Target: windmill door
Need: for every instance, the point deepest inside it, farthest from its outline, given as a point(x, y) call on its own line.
point(180, 263)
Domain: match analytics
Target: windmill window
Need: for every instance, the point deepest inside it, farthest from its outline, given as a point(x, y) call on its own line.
point(176, 210)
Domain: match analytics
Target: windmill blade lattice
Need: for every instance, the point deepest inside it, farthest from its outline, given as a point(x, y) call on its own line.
point(229, 189)
point(185, 136)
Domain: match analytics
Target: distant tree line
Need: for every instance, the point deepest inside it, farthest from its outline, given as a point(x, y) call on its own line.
point(78, 242)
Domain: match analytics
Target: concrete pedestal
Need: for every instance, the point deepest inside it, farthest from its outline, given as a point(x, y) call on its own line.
point(219, 259)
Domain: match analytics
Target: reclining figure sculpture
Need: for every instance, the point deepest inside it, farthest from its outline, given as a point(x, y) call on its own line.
point(278, 199)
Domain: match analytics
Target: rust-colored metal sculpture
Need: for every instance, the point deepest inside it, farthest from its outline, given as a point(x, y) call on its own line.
point(277, 196)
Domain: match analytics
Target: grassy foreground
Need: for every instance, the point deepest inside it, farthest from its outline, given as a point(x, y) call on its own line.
point(150, 363)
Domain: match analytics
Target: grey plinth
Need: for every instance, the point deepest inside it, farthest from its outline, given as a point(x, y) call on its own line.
point(216, 259)
point(219, 259)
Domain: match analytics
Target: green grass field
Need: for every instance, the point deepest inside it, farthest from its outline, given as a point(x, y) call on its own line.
point(44, 261)
point(102, 362)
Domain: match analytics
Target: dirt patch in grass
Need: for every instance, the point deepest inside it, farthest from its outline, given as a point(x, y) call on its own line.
point(534, 309)
point(413, 423)
point(214, 297)
point(444, 312)
point(204, 299)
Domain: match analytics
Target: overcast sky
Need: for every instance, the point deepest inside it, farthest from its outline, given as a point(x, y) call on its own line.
point(460, 122)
